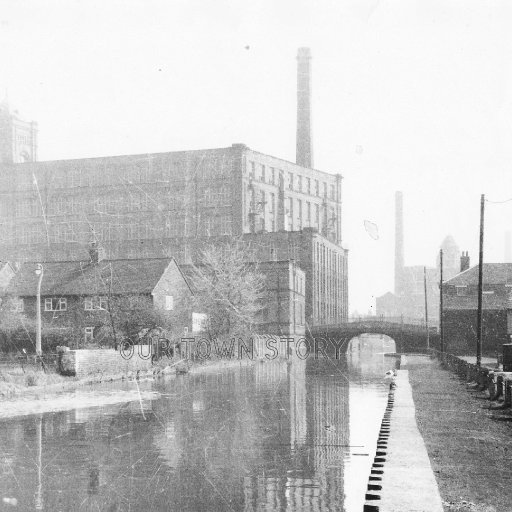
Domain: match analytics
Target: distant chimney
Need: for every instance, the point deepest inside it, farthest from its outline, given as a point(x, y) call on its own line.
point(304, 154)
point(508, 247)
point(399, 243)
point(464, 261)
point(96, 253)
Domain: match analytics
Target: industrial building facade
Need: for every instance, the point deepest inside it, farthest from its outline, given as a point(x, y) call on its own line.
point(173, 204)
point(54, 209)
point(170, 204)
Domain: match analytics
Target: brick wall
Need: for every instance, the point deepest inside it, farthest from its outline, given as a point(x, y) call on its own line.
point(91, 362)
point(460, 331)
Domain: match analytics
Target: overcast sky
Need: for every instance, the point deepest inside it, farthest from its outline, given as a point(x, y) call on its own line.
point(407, 95)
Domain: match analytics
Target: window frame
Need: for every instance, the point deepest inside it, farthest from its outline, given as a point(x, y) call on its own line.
point(61, 304)
point(461, 290)
point(88, 331)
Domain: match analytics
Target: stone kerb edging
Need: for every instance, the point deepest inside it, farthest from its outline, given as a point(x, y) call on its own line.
point(401, 478)
point(375, 479)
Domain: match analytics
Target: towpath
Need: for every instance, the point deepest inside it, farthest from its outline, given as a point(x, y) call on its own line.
point(469, 445)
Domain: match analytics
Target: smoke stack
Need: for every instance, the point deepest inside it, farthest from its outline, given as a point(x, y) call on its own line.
point(464, 261)
point(399, 243)
point(304, 154)
point(508, 247)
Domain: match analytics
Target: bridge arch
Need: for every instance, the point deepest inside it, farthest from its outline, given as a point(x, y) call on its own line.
point(408, 337)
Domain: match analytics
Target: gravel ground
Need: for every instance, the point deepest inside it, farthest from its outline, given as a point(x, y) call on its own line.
point(469, 444)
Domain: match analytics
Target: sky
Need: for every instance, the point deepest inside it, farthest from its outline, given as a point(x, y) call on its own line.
point(410, 95)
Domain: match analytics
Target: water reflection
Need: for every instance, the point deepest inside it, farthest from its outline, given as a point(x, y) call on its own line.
point(275, 436)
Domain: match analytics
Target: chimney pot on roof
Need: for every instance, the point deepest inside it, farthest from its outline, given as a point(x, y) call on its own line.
point(464, 261)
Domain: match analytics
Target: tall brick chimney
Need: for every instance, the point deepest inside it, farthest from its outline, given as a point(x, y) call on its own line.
point(399, 243)
point(304, 154)
point(464, 261)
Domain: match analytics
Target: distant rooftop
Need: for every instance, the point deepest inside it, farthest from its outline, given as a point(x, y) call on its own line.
point(493, 273)
point(65, 278)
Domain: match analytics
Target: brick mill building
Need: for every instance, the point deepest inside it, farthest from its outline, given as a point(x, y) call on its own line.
point(171, 204)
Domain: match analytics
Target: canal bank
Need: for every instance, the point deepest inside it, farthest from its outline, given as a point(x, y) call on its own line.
point(401, 479)
point(469, 444)
point(59, 396)
point(268, 436)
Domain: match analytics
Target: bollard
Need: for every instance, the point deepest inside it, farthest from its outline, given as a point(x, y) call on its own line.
point(499, 387)
point(491, 385)
point(507, 357)
point(508, 392)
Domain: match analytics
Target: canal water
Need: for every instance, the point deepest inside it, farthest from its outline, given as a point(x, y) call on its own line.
point(297, 436)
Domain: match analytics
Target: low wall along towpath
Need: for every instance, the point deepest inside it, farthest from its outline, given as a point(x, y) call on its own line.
point(90, 362)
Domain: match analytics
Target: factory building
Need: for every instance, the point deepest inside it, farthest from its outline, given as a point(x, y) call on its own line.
point(171, 204)
point(408, 300)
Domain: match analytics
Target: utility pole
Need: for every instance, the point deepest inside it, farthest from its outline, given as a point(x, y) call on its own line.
point(441, 331)
point(479, 327)
point(426, 305)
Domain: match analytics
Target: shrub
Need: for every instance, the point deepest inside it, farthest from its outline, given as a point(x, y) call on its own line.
point(31, 379)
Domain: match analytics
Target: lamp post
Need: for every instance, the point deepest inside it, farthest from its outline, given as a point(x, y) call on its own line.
point(39, 272)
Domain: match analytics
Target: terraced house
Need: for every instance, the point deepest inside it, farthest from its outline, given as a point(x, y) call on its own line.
point(101, 301)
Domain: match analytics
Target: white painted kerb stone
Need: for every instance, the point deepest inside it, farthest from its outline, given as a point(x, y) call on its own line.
point(408, 482)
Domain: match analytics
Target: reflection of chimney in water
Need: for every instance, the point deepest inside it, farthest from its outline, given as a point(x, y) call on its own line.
point(399, 243)
point(304, 154)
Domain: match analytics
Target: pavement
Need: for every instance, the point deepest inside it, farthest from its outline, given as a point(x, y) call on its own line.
point(408, 481)
point(468, 440)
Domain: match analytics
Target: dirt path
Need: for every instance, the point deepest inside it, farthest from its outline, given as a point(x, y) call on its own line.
point(469, 445)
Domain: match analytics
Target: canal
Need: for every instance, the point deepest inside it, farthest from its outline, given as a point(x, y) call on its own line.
point(272, 436)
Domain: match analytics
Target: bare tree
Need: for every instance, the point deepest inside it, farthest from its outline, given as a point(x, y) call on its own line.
point(229, 289)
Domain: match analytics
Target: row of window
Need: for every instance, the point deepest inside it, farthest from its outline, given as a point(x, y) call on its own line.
point(90, 303)
point(144, 169)
point(296, 183)
point(130, 201)
point(173, 226)
point(296, 218)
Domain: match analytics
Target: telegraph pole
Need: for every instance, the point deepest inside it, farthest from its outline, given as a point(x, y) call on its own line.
point(479, 327)
point(426, 305)
point(441, 331)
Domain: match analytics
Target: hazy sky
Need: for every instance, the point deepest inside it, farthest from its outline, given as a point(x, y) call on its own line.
point(407, 95)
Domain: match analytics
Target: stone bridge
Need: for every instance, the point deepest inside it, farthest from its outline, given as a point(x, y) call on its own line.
point(409, 334)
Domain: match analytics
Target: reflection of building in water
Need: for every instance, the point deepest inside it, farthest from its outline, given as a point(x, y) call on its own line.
point(298, 402)
point(328, 421)
point(269, 373)
point(317, 442)
point(367, 364)
point(307, 473)
point(263, 438)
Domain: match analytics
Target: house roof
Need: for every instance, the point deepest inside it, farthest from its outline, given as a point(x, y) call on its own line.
point(63, 278)
point(493, 273)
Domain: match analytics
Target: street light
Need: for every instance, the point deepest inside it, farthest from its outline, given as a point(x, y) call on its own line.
point(39, 272)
